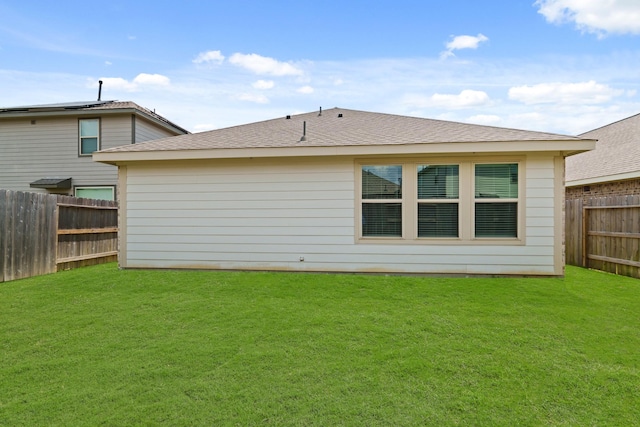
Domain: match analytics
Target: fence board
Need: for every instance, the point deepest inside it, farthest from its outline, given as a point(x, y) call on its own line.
point(573, 232)
point(44, 233)
point(4, 203)
point(87, 232)
point(609, 230)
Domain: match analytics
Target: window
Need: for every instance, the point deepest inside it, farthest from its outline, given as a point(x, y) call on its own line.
point(382, 201)
point(101, 193)
point(418, 201)
point(496, 200)
point(438, 193)
point(89, 131)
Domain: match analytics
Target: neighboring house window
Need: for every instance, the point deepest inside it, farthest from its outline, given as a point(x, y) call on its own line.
point(382, 201)
point(496, 200)
point(101, 193)
point(455, 202)
point(438, 204)
point(89, 131)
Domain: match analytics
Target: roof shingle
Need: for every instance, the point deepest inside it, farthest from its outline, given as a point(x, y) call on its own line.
point(340, 127)
point(617, 152)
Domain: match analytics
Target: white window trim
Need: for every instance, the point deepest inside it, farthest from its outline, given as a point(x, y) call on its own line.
point(96, 187)
point(466, 201)
point(80, 153)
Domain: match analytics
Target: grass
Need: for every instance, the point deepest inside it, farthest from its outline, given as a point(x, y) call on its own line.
point(99, 346)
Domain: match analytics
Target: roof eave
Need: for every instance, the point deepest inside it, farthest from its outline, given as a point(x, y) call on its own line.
point(603, 179)
point(563, 147)
point(164, 123)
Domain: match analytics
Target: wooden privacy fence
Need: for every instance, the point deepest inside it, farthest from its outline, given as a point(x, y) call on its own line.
point(604, 234)
point(44, 233)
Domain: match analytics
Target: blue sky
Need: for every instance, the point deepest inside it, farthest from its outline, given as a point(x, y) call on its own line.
point(565, 66)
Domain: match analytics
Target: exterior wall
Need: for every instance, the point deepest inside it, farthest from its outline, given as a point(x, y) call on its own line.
point(300, 215)
point(147, 131)
point(49, 148)
point(614, 188)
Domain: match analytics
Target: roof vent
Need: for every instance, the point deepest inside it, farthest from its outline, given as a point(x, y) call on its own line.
point(304, 132)
point(288, 117)
point(320, 113)
point(339, 115)
point(99, 89)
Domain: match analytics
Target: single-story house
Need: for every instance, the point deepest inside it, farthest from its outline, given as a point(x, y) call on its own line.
point(346, 191)
point(613, 168)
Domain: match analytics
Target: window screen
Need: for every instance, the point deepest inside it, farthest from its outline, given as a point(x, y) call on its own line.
point(89, 136)
point(381, 209)
point(101, 193)
point(437, 184)
point(497, 217)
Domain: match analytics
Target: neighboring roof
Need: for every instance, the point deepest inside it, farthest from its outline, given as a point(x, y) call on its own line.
point(337, 131)
point(87, 107)
point(616, 157)
point(64, 183)
point(54, 107)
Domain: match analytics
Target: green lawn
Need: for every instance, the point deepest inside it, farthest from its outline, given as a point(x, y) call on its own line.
point(99, 346)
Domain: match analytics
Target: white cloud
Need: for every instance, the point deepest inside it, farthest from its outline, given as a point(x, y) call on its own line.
point(594, 16)
point(264, 84)
point(305, 90)
point(465, 99)
point(566, 93)
point(211, 56)
point(116, 84)
point(463, 42)
point(264, 65)
point(142, 79)
point(251, 97)
point(151, 79)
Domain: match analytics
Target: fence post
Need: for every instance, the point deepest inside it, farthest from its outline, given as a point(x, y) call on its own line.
point(4, 229)
point(585, 237)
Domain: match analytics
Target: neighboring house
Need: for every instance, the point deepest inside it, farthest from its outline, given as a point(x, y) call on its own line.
point(613, 168)
point(48, 148)
point(346, 191)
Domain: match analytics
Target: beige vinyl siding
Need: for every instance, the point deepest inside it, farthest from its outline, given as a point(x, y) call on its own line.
point(147, 131)
point(270, 214)
point(540, 204)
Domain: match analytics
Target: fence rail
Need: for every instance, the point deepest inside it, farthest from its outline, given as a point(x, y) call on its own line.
point(43, 233)
point(604, 234)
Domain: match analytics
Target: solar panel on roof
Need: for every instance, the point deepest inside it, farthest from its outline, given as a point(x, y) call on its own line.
point(63, 105)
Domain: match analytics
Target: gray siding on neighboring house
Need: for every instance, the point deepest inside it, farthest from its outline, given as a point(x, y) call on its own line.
point(41, 141)
point(47, 147)
point(146, 131)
